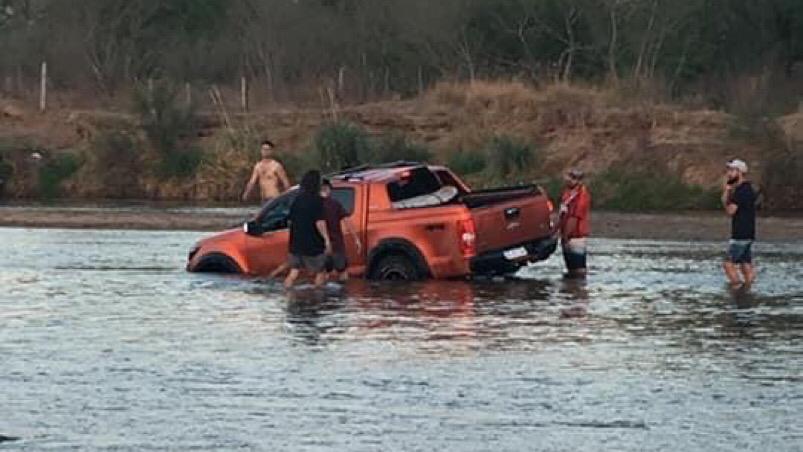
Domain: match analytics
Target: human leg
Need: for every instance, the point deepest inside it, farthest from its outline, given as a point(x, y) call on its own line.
point(279, 270)
point(295, 263)
point(317, 266)
point(748, 273)
point(739, 259)
point(731, 273)
point(291, 278)
point(340, 264)
point(574, 255)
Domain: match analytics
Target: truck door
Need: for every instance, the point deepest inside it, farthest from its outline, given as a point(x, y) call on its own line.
point(268, 251)
point(355, 206)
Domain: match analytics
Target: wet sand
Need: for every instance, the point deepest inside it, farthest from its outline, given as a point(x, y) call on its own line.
point(670, 226)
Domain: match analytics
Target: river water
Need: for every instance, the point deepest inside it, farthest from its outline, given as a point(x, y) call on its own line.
point(107, 344)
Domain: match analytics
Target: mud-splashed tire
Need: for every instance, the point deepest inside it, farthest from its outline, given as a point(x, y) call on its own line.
point(395, 267)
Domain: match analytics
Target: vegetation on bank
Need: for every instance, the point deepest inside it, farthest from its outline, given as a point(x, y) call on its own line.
point(648, 96)
point(165, 148)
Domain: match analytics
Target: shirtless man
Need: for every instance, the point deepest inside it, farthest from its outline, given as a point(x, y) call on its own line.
point(269, 173)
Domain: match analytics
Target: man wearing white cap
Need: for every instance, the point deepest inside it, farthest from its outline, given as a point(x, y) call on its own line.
point(739, 200)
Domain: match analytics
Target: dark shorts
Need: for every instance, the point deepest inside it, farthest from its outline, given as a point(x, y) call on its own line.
point(337, 262)
point(574, 254)
point(740, 252)
point(314, 264)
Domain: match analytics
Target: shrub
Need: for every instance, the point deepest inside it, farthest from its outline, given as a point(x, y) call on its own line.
point(57, 168)
point(394, 147)
point(781, 177)
point(341, 145)
point(169, 125)
point(508, 157)
point(624, 189)
point(466, 163)
point(115, 161)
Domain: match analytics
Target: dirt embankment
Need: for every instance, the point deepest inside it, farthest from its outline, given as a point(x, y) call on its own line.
point(571, 126)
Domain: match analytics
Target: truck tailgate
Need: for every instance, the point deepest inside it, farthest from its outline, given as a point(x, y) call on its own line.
point(507, 222)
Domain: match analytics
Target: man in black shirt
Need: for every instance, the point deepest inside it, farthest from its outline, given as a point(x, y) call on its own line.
point(309, 240)
point(739, 201)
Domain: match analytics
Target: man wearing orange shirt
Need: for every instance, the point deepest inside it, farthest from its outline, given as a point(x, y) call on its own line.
point(575, 223)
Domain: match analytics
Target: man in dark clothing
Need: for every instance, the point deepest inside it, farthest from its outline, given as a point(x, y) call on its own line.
point(335, 216)
point(739, 201)
point(309, 239)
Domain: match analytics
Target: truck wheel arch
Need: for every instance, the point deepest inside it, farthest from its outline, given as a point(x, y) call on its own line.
point(401, 247)
point(217, 263)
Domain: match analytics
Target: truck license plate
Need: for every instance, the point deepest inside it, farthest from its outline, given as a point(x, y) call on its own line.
point(515, 253)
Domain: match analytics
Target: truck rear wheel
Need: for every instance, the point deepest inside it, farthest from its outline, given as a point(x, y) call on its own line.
point(395, 267)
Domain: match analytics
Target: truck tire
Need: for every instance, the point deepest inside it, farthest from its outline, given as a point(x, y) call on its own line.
point(395, 267)
point(217, 263)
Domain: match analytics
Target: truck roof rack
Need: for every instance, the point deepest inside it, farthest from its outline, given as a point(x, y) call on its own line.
point(350, 172)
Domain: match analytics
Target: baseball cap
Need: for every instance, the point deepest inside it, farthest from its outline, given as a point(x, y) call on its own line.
point(737, 165)
point(575, 173)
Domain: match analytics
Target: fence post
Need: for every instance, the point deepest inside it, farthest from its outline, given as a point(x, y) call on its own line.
point(341, 79)
point(244, 93)
point(420, 80)
point(188, 94)
point(43, 89)
point(20, 85)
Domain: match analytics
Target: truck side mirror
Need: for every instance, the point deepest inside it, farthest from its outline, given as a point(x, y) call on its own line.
point(252, 228)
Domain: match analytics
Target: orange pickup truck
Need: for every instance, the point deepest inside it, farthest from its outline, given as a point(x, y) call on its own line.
point(416, 221)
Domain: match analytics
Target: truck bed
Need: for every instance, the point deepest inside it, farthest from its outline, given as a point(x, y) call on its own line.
point(481, 198)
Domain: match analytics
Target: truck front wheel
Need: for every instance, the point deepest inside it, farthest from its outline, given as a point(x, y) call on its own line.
point(395, 267)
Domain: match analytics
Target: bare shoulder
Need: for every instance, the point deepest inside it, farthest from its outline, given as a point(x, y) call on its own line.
point(274, 164)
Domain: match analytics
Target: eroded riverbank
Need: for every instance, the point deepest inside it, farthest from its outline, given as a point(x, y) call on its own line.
point(668, 226)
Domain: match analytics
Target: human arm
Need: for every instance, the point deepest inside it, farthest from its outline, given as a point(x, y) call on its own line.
point(282, 175)
point(728, 200)
point(251, 183)
point(322, 229)
point(353, 231)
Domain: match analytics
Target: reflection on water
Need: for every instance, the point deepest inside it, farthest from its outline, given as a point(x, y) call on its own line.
point(108, 344)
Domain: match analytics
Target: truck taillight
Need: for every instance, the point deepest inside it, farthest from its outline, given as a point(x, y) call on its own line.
point(550, 206)
point(468, 237)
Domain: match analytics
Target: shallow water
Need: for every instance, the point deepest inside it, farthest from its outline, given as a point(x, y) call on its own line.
point(106, 343)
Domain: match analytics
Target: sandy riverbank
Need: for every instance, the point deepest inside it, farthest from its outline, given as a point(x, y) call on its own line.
point(673, 226)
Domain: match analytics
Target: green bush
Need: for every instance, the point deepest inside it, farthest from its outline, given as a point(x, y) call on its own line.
point(466, 163)
point(624, 189)
point(508, 157)
point(554, 188)
point(169, 126)
point(115, 161)
point(782, 178)
point(395, 147)
point(341, 145)
point(55, 170)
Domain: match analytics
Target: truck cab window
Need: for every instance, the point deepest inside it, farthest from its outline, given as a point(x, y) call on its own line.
point(274, 215)
point(345, 196)
point(447, 178)
point(417, 182)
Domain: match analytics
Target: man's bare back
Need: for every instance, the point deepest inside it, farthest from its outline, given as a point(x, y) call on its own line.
point(269, 174)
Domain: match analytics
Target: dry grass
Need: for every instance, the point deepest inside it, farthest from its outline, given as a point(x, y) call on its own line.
point(571, 125)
